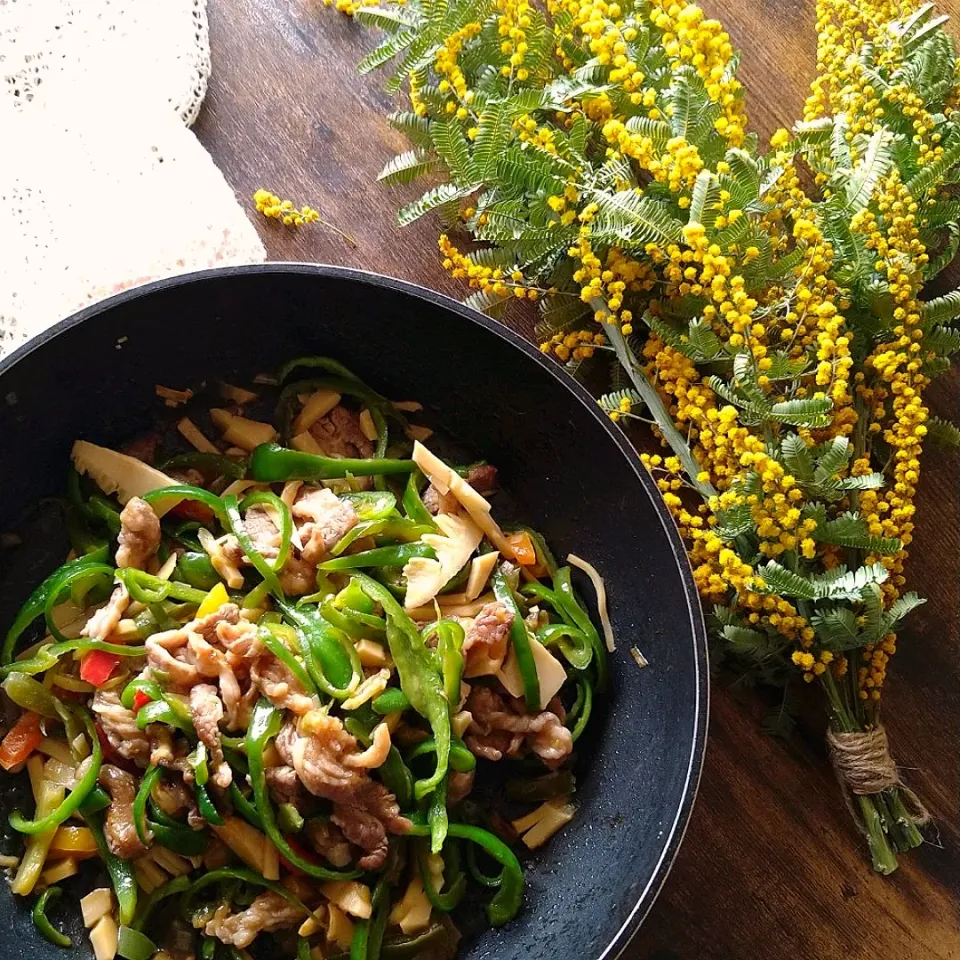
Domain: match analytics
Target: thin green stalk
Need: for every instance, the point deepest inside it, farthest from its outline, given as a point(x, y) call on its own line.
point(648, 393)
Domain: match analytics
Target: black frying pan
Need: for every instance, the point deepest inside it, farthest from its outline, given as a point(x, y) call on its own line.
point(568, 473)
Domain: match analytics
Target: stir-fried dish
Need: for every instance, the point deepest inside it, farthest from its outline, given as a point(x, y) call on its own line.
point(262, 685)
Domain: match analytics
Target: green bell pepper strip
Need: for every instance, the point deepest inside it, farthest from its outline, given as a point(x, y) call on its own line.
point(97, 800)
point(564, 602)
point(461, 759)
point(268, 499)
point(393, 700)
point(103, 510)
point(271, 463)
point(82, 539)
point(30, 694)
point(450, 637)
point(413, 502)
point(265, 723)
point(353, 623)
point(274, 643)
point(508, 899)
point(263, 566)
point(42, 922)
point(303, 948)
point(437, 816)
point(208, 949)
point(289, 818)
point(186, 491)
point(146, 588)
point(484, 879)
point(419, 679)
point(133, 945)
point(206, 807)
point(413, 946)
point(77, 795)
point(160, 711)
point(456, 879)
point(140, 685)
point(197, 759)
point(48, 655)
point(244, 807)
point(150, 779)
point(520, 640)
point(557, 783)
point(368, 934)
point(390, 528)
point(37, 600)
point(572, 642)
point(353, 597)
point(394, 556)
point(213, 464)
point(327, 364)
point(122, 877)
point(397, 778)
point(585, 695)
point(195, 568)
point(184, 533)
point(330, 657)
point(67, 580)
point(169, 889)
point(371, 504)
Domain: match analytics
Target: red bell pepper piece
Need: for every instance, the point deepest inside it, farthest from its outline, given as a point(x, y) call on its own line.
point(21, 740)
point(140, 699)
point(97, 665)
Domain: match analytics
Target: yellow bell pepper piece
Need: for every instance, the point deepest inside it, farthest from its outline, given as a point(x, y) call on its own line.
point(213, 601)
point(73, 841)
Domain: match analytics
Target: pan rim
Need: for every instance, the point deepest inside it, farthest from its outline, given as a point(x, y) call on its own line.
point(646, 897)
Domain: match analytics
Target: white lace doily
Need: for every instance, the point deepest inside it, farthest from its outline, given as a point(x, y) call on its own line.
point(102, 187)
point(162, 45)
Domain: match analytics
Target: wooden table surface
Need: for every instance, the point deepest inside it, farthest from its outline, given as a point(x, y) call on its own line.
point(770, 868)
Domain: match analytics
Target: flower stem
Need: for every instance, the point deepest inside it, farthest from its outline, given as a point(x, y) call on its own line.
point(658, 410)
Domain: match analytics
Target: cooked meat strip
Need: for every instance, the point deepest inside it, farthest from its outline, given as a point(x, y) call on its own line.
point(497, 729)
point(339, 434)
point(267, 913)
point(187, 654)
point(483, 479)
point(325, 837)
point(119, 726)
point(263, 532)
point(298, 577)
point(187, 475)
point(144, 447)
point(207, 713)
point(118, 828)
point(285, 787)
point(280, 686)
point(459, 786)
point(328, 520)
point(326, 762)
point(105, 620)
point(174, 799)
point(139, 534)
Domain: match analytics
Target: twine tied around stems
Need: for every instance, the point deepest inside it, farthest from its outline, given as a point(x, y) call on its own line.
point(863, 765)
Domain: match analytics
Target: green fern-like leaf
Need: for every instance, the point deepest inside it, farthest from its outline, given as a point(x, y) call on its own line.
point(808, 412)
point(850, 530)
point(876, 163)
point(734, 522)
point(392, 47)
point(388, 19)
point(451, 146)
point(407, 167)
point(837, 629)
point(491, 129)
point(433, 198)
point(796, 456)
point(779, 580)
point(656, 130)
point(833, 457)
point(933, 174)
point(634, 220)
point(942, 309)
point(899, 610)
point(485, 301)
point(865, 481)
point(416, 129)
point(843, 584)
point(703, 199)
point(943, 341)
point(943, 434)
point(610, 402)
point(781, 721)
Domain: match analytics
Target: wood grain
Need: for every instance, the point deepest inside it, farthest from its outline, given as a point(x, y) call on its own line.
point(770, 868)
